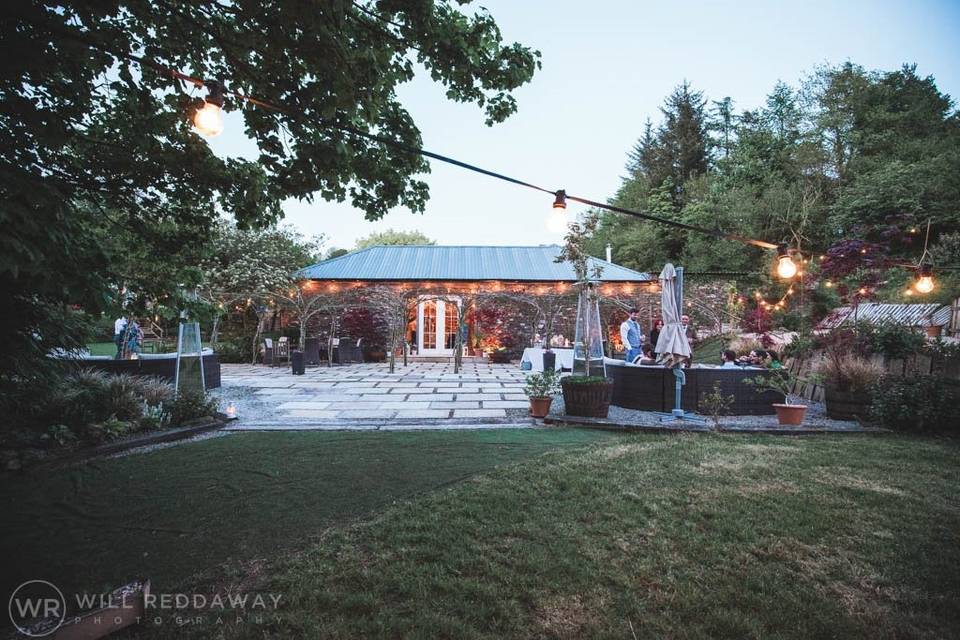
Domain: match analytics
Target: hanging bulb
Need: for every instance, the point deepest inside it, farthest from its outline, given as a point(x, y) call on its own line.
point(557, 222)
point(208, 119)
point(786, 268)
point(924, 282)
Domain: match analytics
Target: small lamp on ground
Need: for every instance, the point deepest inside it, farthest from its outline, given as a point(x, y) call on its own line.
point(231, 411)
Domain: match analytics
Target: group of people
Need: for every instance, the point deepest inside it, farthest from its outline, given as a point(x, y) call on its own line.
point(641, 349)
point(128, 336)
point(756, 358)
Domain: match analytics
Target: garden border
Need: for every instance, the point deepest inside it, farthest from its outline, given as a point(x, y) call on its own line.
point(602, 423)
point(202, 425)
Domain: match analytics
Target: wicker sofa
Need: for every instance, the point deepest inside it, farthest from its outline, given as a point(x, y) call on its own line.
point(652, 388)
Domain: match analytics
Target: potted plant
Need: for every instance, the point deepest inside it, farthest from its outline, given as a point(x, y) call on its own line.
point(847, 380)
point(540, 388)
point(782, 381)
point(587, 396)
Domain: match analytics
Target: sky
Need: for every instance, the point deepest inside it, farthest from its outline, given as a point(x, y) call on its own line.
point(607, 67)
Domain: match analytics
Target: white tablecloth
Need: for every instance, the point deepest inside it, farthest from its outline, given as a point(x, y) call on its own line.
point(534, 355)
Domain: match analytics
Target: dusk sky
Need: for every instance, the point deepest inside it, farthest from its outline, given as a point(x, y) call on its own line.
point(607, 66)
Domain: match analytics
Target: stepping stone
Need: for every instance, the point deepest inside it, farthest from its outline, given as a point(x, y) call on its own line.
point(479, 413)
point(506, 404)
point(455, 405)
point(423, 413)
point(303, 405)
point(311, 413)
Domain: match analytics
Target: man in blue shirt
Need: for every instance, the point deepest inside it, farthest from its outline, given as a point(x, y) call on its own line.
point(631, 335)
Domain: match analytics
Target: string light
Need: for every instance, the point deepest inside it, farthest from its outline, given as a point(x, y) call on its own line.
point(208, 119)
point(786, 267)
point(557, 222)
point(924, 282)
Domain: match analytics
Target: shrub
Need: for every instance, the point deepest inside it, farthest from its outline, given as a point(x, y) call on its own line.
point(59, 434)
point(235, 351)
point(124, 396)
point(921, 403)
point(156, 392)
point(191, 405)
point(893, 340)
point(110, 429)
point(744, 346)
point(715, 404)
point(849, 372)
point(541, 385)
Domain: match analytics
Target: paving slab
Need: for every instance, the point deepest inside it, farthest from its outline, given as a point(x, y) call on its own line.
point(353, 414)
point(506, 404)
point(460, 404)
point(311, 413)
point(303, 405)
point(423, 413)
point(479, 413)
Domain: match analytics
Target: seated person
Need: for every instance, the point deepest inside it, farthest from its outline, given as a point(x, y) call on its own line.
point(728, 359)
point(773, 360)
point(755, 358)
point(646, 355)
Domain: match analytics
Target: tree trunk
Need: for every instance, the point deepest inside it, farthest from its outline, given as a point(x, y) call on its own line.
point(333, 330)
point(256, 338)
point(215, 330)
point(303, 334)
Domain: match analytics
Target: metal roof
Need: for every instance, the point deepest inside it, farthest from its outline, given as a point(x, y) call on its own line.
point(431, 262)
point(910, 315)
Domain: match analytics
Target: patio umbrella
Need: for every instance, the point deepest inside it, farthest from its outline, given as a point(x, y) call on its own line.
point(672, 345)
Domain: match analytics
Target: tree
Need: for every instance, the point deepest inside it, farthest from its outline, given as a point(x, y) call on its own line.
point(393, 238)
point(91, 137)
point(254, 269)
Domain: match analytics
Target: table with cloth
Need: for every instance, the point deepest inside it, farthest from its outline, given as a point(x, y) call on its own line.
point(534, 355)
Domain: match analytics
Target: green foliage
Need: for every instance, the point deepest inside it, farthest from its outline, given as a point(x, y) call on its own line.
point(105, 182)
point(190, 405)
point(542, 385)
point(892, 340)
point(60, 434)
point(716, 404)
point(585, 380)
point(916, 403)
point(390, 237)
point(781, 380)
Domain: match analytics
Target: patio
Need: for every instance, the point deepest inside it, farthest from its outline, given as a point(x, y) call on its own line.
point(367, 396)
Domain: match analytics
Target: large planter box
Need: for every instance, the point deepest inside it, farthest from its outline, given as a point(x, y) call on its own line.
point(163, 367)
point(846, 405)
point(653, 388)
point(591, 400)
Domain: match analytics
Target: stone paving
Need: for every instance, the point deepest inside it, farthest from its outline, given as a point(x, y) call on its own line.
point(422, 394)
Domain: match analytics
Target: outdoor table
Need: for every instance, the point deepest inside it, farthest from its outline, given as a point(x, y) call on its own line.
point(534, 355)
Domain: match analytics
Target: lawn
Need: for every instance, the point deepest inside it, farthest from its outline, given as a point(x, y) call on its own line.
point(186, 510)
point(516, 534)
point(647, 537)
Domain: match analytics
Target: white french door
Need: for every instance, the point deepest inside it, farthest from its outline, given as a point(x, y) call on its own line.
point(436, 326)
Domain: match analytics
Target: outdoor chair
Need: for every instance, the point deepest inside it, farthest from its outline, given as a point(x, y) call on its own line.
point(282, 353)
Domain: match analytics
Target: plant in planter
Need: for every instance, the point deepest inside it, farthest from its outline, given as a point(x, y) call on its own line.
point(587, 396)
point(847, 379)
point(782, 381)
point(540, 388)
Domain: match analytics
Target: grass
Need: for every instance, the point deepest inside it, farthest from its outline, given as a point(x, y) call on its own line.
point(517, 534)
point(176, 513)
point(709, 350)
point(102, 348)
point(647, 537)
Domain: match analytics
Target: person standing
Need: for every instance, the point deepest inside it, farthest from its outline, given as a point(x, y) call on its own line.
point(655, 332)
point(631, 335)
point(134, 337)
point(119, 328)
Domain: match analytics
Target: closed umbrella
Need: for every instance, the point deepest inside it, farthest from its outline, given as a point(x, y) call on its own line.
point(672, 345)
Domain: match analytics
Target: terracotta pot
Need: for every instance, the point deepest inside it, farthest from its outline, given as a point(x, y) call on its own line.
point(589, 400)
point(540, 407)
point(790, 414)
point(934, 332)
point(846, 405)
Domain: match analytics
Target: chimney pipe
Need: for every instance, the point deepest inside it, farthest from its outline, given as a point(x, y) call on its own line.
point(609, 253)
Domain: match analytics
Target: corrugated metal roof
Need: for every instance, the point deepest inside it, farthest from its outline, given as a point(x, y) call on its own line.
point(910, 315)
point(430, 262)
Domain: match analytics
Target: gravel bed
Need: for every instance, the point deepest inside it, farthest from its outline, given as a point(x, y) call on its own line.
point(816, 418)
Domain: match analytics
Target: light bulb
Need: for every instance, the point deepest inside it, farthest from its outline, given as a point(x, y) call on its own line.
point(557, 221)
point(209, 120)
point(786, 268)
point(924, 284)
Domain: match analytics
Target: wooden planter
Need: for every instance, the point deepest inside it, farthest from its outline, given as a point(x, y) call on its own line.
point(591, 400)
point(790, 414)
point(500, 357)
point(846, 405)
point(540, 407)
